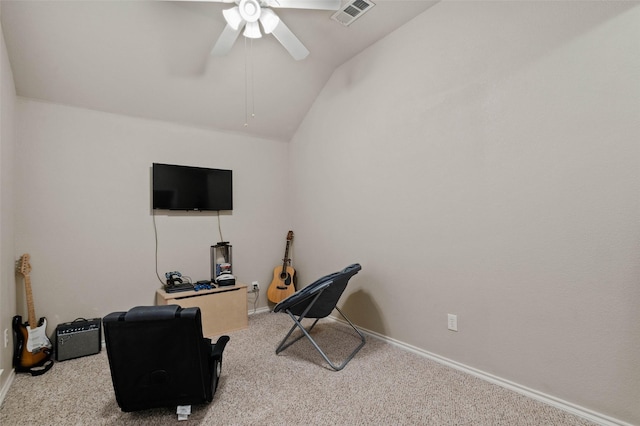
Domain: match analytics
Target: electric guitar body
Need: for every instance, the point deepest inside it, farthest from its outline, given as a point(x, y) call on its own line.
point(31, 344)
point(32, 348)
point(282, 285)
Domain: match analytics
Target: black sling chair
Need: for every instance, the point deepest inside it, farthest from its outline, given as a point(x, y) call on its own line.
point(318, 300)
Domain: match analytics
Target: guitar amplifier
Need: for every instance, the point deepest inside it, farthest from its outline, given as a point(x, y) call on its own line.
point(78, 338)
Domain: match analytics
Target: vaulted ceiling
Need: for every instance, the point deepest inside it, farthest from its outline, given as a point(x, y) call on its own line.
point(152, 59)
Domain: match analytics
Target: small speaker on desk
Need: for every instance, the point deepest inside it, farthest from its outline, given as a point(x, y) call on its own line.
point(78, 338)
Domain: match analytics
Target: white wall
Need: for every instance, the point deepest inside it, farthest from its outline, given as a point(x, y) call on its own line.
point(483, 160)
point(84, 207)
point(7, 265)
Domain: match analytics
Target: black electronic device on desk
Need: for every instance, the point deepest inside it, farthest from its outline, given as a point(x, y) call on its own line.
point(178, 288)
point(175, 283)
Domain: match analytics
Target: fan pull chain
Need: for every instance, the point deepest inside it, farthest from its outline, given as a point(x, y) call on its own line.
point(246, 92)
point(248, 74)
point(253, 97)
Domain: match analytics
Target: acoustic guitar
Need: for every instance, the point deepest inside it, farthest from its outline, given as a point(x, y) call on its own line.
point(32, 346)
point(282, 285)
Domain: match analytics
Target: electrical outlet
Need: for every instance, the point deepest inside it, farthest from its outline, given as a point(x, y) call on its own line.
point(452, 322)
point(255, 286)
point(6, 337)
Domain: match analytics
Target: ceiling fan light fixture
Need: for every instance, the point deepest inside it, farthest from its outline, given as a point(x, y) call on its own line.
point(252, 30)
point(269, 20)
point(251, 17)
point(233, 17)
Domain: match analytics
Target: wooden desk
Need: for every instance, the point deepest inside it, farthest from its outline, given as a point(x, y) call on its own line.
point(223, 309)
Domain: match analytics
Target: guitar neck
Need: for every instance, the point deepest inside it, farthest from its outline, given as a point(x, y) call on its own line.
point(286, 257)
point(30, 308)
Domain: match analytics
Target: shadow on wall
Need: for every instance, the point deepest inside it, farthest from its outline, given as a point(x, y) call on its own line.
point(364, 312)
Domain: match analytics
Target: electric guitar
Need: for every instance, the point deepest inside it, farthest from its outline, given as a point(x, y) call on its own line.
point(32, 346)
point(282, 285)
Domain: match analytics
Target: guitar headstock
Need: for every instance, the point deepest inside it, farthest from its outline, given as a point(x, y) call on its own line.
point(24, 267)
point(289, 235)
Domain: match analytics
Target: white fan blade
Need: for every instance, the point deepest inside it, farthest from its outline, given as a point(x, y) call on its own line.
point(290, 41)
point(226, 40)
point(306, 4)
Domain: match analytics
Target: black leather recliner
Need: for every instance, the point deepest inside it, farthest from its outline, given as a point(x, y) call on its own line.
point(159, 358)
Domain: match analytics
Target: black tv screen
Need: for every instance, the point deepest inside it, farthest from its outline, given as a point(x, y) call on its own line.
point(191, 188)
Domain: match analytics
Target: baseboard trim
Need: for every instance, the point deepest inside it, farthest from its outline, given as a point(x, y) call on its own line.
point(7, 385)
point(259, 310)
point(569, 407)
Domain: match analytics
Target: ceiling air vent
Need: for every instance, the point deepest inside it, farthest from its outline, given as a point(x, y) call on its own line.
point(352, 11)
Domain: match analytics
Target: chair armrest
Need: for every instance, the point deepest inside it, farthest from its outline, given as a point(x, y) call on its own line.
point(218, 347)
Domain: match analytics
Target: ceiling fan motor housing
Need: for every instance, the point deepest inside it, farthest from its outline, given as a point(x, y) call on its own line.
point(249, 10)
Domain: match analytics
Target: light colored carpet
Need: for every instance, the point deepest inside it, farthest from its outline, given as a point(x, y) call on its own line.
point(382, 385)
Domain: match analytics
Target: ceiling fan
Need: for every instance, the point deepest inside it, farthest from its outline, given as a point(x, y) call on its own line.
point(252, 14)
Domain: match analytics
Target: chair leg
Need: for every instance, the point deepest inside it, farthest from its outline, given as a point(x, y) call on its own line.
point(298, 324)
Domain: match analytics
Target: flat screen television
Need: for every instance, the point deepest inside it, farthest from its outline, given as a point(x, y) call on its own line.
point(191, 188)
